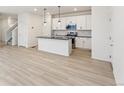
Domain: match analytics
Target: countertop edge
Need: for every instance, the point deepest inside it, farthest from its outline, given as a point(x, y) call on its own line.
point(55, 38)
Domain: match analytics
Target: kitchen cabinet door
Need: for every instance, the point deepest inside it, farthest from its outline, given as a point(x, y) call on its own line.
point(70, 20)
point(87, 43)
point(88, 22)
point(81, 22)
point(79, 42)
point(84, 43)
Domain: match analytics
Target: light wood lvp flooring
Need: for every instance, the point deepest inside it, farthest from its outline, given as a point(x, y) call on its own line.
point(27, 66)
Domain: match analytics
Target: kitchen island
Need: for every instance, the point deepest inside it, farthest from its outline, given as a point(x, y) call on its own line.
point(57, 45)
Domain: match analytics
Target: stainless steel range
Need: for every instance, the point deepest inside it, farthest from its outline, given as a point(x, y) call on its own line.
point(72, 35)
point(71, 28)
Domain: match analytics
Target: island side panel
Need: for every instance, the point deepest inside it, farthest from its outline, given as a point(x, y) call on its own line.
point(56, 46)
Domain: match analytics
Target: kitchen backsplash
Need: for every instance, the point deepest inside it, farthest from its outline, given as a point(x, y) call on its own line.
point(84, 33)
point(80, 33)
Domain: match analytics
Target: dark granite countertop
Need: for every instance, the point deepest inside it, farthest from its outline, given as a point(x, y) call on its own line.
point(76, 36)
point(85, 36)
point(59, 38)
point(62, 37)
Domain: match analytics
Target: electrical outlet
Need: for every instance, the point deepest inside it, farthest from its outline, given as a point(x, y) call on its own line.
point(110, 56)
point(110, 19)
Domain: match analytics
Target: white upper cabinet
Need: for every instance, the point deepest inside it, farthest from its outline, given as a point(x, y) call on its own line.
point(83, 22)
point(61, 26)
point(71, 20)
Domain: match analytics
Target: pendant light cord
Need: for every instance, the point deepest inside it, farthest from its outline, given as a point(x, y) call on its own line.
point(44, 15)
point(59, 14)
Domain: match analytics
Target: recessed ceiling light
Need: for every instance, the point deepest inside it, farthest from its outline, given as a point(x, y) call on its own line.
point(75, 9)
point(35, 9)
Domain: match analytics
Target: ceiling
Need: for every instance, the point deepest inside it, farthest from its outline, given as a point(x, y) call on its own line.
point(50, 9)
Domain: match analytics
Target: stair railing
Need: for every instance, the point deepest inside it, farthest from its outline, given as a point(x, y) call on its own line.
point(9, 32)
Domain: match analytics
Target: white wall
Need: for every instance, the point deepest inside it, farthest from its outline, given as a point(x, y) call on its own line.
point(29, 27)
point(12, 20)
point(118, 48)
point(35, 29)
point(101, 28)
point(5, 27)
point(22, 28)
point(46, 30)
point(0, 29)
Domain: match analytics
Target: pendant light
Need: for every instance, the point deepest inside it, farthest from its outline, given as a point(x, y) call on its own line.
point(59, 21)
point(45, 17)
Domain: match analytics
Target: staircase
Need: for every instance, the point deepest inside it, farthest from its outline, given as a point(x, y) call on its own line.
point(10, 32)
point(9, 41)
